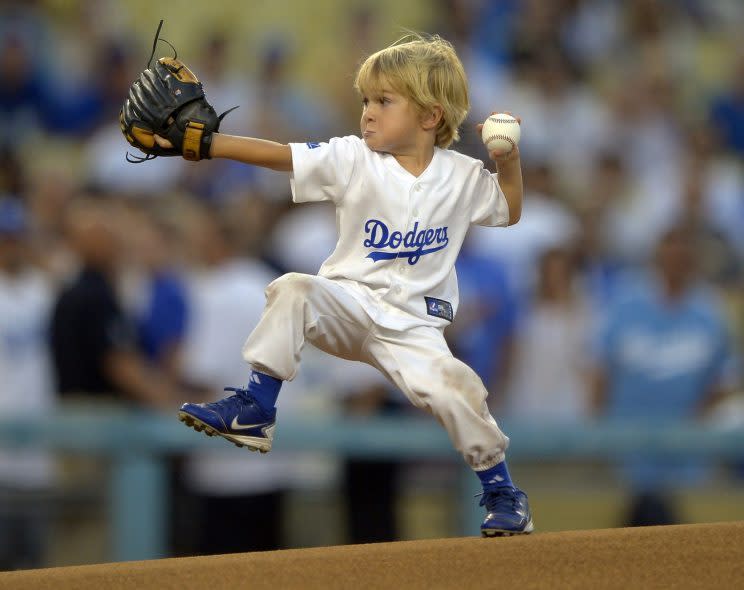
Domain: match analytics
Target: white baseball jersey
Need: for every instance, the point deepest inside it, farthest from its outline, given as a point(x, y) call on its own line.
point(399, 235)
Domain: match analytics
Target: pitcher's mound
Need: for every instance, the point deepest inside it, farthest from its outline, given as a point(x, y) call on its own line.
point(690, 556)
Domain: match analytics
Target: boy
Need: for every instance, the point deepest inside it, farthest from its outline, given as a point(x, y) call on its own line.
point(403, 206)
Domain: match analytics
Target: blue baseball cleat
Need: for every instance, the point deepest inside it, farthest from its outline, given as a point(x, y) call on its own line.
point(508, 513)
point(238, 418)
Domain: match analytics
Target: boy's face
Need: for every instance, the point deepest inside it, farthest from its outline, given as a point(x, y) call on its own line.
point(390, 122)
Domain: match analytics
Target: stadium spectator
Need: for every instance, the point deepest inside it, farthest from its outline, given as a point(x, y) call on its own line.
point(286, 110)
point(591, 32)
point(599, 264)
point(643, 113)
point(159, 305)
point(550, 375)
point(663, 355)
point(225, 486)
point(720, 185)
point(93, 342)
point(627, 221)
point(26, 100)
point(26, 476)
point(719, 262)
point(483, 332)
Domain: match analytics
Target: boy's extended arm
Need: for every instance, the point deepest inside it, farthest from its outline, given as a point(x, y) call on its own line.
point(249, 150)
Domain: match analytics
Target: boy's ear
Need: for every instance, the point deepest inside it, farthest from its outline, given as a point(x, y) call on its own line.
point(431, 118)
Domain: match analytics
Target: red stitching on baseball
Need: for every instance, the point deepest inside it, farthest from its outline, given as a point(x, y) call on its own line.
point(504, 137)
point(499, 120)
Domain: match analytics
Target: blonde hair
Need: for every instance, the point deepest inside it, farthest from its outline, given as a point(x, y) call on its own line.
point(427, 71)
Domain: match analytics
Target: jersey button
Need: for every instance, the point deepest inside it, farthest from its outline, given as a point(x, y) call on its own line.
point(418, 188)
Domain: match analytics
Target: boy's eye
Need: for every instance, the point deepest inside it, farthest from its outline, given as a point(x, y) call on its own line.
point(365, 101)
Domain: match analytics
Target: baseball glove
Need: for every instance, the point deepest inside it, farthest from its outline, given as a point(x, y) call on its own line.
point(168, 100)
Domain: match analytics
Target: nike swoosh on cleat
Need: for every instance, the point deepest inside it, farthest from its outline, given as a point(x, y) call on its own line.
point(235, 425)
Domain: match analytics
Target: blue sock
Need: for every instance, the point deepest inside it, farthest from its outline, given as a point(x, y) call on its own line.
point(264, 388)
point(495, 477)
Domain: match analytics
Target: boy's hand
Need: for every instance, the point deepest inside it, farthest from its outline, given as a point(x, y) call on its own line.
point(501, 156)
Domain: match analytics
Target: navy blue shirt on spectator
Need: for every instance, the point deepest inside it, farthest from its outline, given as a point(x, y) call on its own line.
point(87, 324)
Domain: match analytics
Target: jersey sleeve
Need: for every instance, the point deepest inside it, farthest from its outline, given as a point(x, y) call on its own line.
point(322, 171)
point(489, 206)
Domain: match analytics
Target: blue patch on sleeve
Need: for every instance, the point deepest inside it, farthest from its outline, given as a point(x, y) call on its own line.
point(312, 144)
point(439, 308)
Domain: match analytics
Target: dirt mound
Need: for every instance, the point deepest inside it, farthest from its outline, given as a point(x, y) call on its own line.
point(690, 556)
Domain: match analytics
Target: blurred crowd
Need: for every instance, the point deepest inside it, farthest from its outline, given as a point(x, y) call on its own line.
point(619, 295)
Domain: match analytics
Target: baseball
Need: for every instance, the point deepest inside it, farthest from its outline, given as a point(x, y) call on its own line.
point(501, 132)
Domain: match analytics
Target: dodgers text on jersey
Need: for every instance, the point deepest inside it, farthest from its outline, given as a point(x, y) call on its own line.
point(380, 236)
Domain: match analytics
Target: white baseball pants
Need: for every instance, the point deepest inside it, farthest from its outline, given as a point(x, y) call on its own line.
point(311, 308)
